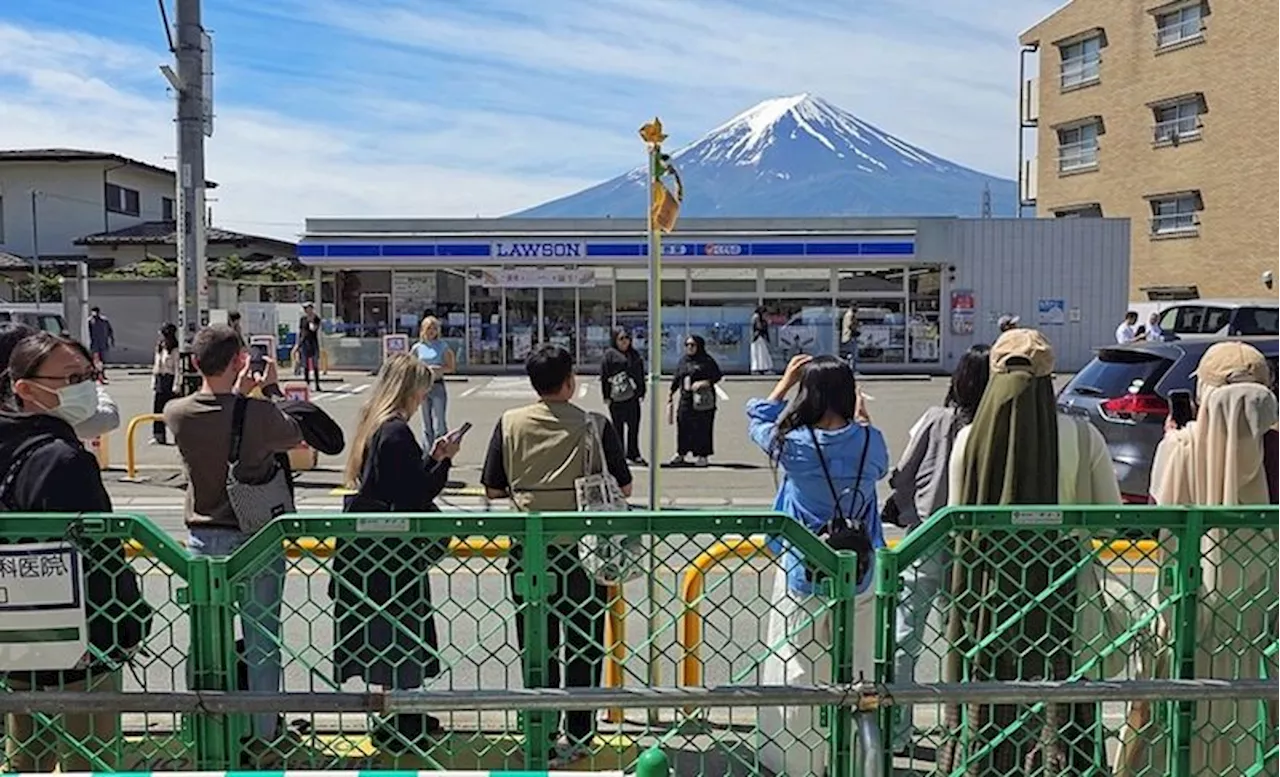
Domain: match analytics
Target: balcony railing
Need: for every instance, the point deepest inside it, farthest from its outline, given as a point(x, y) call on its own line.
point(1177, 32)
point(1077, 156)
point(1181, 128)
point(1080, 70)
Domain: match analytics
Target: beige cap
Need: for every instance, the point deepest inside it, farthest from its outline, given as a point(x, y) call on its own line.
point(1232, 362)
point(1026, 344)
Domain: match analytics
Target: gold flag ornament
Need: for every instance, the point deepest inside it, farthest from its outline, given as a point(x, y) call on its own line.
point(665, 207)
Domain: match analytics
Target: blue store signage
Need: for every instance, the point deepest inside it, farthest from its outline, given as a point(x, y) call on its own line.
point(560, 251)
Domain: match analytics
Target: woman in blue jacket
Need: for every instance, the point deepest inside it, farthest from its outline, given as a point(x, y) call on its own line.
point(823, 444)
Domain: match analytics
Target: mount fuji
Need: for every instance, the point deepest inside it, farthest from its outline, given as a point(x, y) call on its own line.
point(800, 156)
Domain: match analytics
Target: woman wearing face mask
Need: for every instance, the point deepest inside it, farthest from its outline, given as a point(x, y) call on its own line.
point(44, 468)
point(105, 418)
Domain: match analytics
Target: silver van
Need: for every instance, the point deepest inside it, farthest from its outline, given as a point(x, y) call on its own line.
point(47, 321)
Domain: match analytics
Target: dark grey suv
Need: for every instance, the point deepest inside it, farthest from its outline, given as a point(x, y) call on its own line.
point(1124, 392)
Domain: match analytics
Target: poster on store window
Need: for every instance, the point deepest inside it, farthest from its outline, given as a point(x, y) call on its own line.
point(413, 293)
point(962, 312)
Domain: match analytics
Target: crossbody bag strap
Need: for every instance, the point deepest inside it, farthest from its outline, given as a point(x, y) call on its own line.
point(237, 428)
point(21, 455)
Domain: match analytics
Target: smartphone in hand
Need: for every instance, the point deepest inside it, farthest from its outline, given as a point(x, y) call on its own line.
point(457, 434)
point(258, 359)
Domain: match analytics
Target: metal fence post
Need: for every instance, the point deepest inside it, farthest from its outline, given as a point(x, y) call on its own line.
point(212, 635)
point(1186, 592)
point(844, 589)
point(534, 584)
point(888, 587)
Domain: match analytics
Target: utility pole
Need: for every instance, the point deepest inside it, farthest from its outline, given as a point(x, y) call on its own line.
point(194, 121)
point(35, 246)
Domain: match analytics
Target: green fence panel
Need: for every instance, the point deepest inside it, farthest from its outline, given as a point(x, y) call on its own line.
point(145, 574)
point(1063, 593)
point(511, 607)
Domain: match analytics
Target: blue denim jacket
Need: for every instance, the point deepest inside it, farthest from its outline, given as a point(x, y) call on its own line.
point(804, 494)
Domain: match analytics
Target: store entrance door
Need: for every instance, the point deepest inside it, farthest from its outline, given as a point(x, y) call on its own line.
point(523, 308)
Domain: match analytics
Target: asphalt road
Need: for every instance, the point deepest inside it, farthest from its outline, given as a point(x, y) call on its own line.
point(475, 614)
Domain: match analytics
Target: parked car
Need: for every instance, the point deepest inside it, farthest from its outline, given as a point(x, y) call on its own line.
point(1212, 318)
point(44, 320)
point(1124, 393)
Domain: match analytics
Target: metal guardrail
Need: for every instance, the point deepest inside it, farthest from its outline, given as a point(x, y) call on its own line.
point(1024, 595)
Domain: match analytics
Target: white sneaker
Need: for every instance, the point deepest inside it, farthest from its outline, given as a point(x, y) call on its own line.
point(701, 461)
point(567, 755)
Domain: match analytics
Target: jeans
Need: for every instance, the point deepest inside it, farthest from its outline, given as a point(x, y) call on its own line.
point(921, 584)
point(434, 406)
point(259, 617)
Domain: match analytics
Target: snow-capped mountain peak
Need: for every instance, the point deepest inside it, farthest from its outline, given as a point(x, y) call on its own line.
point(800, 156)
point(746, 138)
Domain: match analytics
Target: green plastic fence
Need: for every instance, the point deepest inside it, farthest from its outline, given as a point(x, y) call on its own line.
point(1059, 593)
point(340, 602)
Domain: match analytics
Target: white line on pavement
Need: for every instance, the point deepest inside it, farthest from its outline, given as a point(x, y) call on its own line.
point(720, 392)
point(582, 390)
point(361, 388)
point(472, 390)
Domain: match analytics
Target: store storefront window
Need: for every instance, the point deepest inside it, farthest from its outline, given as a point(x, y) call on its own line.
point(632, 294)
point(595, 319)
point(870, 279)
point(484, 323)
point(924, 289)
point(800, 326)
point(882, 331)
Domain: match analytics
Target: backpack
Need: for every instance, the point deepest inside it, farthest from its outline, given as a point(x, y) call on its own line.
point(846, 532)
point(119, 623)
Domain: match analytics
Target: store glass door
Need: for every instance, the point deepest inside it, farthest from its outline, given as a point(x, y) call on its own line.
point(522, 319)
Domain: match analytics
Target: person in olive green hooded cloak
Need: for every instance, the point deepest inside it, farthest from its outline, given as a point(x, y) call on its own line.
point(1020, 451)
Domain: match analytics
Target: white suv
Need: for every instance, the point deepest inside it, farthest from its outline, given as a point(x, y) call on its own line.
point(1220, 319)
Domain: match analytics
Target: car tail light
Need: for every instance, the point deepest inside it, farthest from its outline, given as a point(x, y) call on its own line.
point(1133, 408)
point(1136, 499)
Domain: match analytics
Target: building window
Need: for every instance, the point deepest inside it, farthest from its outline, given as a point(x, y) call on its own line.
point(167, 212)
point(1178, 120)
point(122, 200)
point(1180, 26)
point(1090, 211)
point(1078, 147)
point(1175, 214)
point(1080, 61)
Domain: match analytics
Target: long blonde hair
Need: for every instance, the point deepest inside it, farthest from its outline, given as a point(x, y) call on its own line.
point(429, 323)
point(402, 380)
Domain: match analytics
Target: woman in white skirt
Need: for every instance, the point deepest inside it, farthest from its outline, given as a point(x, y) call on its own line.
point(761, 359)
point(831, 458)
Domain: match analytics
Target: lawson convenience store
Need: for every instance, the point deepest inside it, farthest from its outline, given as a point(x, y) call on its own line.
point(919, 288)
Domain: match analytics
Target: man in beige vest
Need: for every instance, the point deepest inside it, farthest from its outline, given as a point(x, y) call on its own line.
point(534, 456)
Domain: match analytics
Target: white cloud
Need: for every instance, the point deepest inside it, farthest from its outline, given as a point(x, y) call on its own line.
point(459, 109)
point(273, 170)
point(946, 82)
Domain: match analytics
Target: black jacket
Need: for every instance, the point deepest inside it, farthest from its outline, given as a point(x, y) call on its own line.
point(630, 362)
point(57, 475)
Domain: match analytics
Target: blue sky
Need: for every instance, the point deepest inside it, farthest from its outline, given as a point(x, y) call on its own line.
point(482, 107)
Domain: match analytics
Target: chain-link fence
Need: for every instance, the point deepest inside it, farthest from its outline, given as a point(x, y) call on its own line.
point(468, 603)
point(1067, 594)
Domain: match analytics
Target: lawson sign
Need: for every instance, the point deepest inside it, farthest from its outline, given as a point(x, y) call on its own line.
point(547, 250)
point(573, 251)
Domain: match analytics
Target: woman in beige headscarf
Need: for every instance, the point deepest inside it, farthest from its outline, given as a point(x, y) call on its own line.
point(1226, 456)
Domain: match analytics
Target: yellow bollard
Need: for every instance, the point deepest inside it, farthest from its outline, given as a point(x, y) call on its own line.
point(130, 433)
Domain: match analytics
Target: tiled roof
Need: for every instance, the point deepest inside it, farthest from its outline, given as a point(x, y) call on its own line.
point(165, 233)
point(9, 261)
point(81, 155)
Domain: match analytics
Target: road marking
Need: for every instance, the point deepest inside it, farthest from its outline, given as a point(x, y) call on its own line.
point(472, 390)
point(582, 390)
point(720, 392)
point(362, 388)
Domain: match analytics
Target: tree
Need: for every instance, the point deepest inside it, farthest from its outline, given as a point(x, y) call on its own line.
point(50, 284)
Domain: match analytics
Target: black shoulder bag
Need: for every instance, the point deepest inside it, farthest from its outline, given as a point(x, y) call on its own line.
point(845, 532)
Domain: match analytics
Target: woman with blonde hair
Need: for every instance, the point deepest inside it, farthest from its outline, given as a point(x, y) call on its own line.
point(385, 632)
point(434, 352)
point(1226, 456)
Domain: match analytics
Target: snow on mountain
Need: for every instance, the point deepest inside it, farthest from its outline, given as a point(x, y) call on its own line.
point(800, 156)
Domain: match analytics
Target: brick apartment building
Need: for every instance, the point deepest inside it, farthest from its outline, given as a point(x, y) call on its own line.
point(1165, 113)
